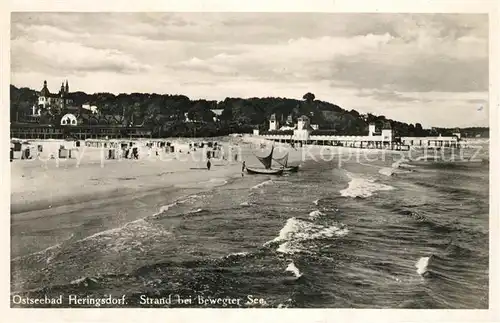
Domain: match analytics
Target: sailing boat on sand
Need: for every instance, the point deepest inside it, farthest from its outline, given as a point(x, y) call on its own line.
point(267, 170)
point(283, 161)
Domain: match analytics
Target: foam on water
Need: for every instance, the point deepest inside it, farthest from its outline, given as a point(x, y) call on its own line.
point(296, 231)
point(41, 252)
point(387, 171)
point(195, 211)
point(85, 281)
point(183, 200)
point(270, 181)
point(396, 164)
point(214, 182)
point(422, 265)
point(293, 269)
point(363, 187)
point(126, 237)
point(165, 208)
point(238, 254)
point(315, 214)
point(288, 248)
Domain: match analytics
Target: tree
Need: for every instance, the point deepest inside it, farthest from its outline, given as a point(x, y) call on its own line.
point(309, 97)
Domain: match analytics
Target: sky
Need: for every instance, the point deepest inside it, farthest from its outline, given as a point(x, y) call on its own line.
point(425, 68)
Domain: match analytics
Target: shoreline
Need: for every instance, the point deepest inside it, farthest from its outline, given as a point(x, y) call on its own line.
point(49, 183)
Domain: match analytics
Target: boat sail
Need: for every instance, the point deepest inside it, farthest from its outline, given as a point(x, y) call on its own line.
point(283, 161)
point(266, 161)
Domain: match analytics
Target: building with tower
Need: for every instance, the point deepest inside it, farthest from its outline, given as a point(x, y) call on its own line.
point(273, 123)
point(48, 100)
point(304, 132)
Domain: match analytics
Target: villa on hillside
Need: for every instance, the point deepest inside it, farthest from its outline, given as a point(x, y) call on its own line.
point(76, 123)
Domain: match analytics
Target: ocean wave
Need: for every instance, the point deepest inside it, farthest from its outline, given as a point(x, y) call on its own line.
point(315, 214)
point(164, 208)
point(363, 187)
point(85, 281)
point(196, 211)
point(215, 182)
point(422, 265)
point(294, 270)
point(37, 253)
point(48, 253)
point(290, 247)
point(297, 231)
point(268, 182)
point(395, 169)
point(396, 164)
point(285, 304)
point(182, 200)
point(127, 237)
point(240, 254)
point(387, 171)
point(282, 182)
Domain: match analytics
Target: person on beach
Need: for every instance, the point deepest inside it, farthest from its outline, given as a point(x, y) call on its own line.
point(243, 166)
point(209, 164)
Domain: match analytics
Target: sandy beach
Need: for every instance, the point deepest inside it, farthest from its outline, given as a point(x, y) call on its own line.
point(42, 183)
point(47, 194)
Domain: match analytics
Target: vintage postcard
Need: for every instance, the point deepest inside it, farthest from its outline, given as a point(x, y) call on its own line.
point(251, 160)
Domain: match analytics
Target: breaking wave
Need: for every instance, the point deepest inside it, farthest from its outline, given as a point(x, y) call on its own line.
point(315, 214)
point(422, 265)
point(294, 270)
point(363, 187)
point(270, 181)
point(297, 231)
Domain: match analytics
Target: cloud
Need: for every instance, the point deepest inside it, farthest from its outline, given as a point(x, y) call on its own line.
point(394, 64)
point(424, 73)
point(389, 96)
point(69, 57)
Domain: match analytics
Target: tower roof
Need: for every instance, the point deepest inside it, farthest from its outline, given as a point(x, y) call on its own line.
point(45, 91)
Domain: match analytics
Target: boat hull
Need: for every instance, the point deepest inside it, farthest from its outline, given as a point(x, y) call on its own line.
point(291, 169)
point(264, 171)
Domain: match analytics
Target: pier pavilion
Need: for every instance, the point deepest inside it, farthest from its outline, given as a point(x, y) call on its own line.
point(303, 134)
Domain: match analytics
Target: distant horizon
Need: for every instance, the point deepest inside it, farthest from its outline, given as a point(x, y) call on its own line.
point(246, 98)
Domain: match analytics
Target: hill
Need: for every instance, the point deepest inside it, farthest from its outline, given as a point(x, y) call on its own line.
point(165, 114)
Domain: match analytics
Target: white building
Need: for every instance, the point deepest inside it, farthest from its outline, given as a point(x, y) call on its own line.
point(273, 123)
point(92, 108)
point(218, 113)
point(69, 120)
point(303, 132)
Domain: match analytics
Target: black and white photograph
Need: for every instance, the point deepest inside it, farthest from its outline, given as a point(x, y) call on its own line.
point(250, 160)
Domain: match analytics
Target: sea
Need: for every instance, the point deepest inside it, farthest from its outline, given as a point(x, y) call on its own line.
point(380, 232)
